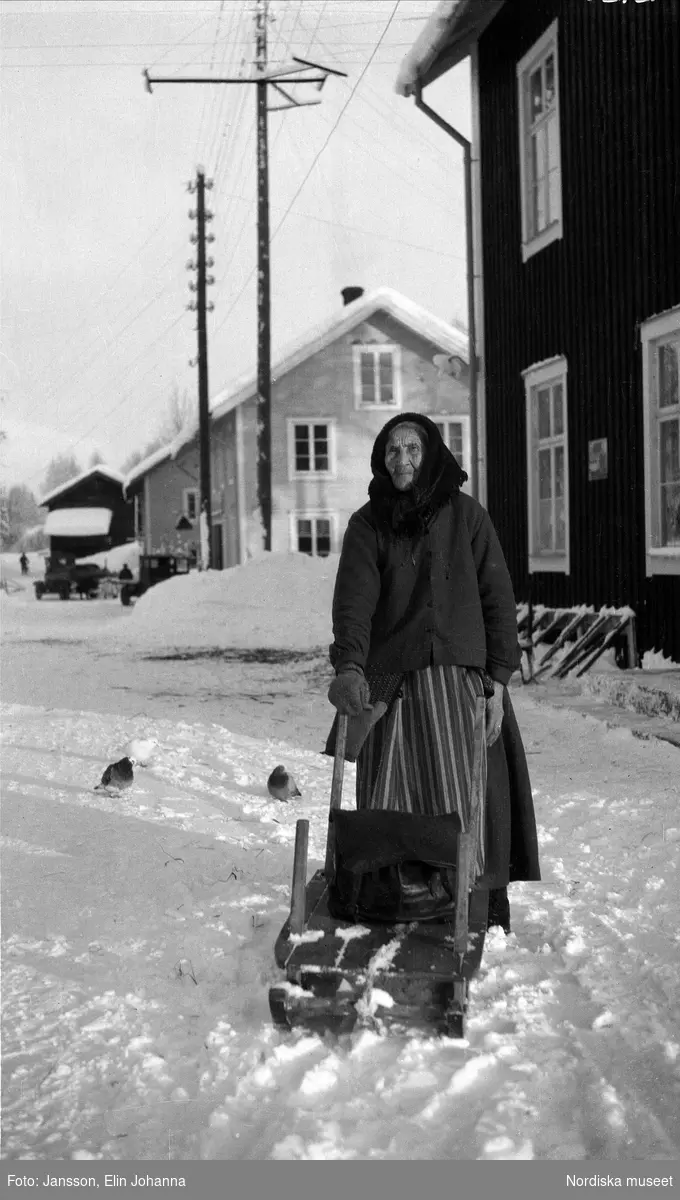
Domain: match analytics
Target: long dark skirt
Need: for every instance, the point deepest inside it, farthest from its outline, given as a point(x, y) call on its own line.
point(418, 759)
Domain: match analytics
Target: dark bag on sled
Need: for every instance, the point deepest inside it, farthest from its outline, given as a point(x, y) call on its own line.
point(393, 867)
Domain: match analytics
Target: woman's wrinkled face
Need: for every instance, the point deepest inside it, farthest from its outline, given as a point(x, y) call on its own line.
point(404, 457)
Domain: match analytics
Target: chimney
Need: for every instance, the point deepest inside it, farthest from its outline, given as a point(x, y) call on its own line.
point(351, 293)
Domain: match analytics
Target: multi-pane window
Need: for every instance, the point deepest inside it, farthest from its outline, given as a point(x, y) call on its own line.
point(313, 535)
point(456, 434)
point(668, 418)
point(547, 455)
point(376, 376)
point(311, 448)
point(541, 173)
point(661, 386)
point(191, 503)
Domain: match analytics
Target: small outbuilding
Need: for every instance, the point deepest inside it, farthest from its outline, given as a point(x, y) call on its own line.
point(89, 513)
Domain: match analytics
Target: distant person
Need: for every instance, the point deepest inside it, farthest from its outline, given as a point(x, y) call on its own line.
point(125, 572)
point(23, 563)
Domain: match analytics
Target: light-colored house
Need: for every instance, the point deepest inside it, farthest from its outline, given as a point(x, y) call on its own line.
point(332, 391)
point(165, 489)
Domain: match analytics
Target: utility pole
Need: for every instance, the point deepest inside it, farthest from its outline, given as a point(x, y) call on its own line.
point(298, 70)
point(201, 307)
point(264, 376)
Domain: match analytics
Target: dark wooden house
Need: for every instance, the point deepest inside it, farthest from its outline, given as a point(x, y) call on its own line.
point(576, 218)
point(89, 513)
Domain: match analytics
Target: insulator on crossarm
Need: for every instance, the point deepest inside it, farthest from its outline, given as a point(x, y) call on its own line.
point(209, 183)
point(210, 279)
point(193, 238)
point(191, 265)
point(193, 362)
point(209, 216)
point(210, 307)
point(210, 237)
point(191, 308)
point(192, 286)
point(191, 186)
point(192, 214)
point(210, 262)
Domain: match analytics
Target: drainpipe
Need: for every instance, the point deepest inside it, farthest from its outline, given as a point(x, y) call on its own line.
point(472, 331)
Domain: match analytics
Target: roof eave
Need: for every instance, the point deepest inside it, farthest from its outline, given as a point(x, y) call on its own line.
point(446, 40)
point(100, 469)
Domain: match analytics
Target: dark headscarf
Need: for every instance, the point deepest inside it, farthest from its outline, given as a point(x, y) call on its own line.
point(407, 514)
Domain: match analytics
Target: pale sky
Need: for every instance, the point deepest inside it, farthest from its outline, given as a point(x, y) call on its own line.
point(95, 230)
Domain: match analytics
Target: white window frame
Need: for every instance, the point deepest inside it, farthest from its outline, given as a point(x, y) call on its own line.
point(186, 492)
point(552, 371)
point(330, 423)
point(532, 243)
point(462, 419)
point(312, 514)
point(660, 560)
point(377, 348)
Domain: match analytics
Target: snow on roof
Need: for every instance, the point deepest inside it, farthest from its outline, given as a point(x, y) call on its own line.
point(147, 464)
point(99, 469)
point(453, 27)
point(383, 299)
point(78, 522)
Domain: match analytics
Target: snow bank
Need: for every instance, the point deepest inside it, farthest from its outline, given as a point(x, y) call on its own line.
point(112, 560)
point(655, 660)
point(137, 1020)
point(272, 601)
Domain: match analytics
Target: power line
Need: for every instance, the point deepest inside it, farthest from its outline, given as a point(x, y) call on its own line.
point(344, 62)
point(82, 369)
point(316, 158)
point(129, 395)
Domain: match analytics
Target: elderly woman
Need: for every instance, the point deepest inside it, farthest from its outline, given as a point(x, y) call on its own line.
point(424, 622)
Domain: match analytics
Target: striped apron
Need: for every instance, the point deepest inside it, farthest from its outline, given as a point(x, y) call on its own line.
point(418, 758)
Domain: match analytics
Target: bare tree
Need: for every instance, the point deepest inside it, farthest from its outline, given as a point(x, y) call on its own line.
point(179, 413)
point(177, 418)
point(60, 470)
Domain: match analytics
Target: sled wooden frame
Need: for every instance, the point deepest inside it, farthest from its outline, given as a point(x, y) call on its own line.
point(421, 971)
point(592, 633)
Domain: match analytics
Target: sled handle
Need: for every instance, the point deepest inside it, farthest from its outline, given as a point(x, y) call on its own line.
point(465, 865)
point(299, 889)
point(336, 791)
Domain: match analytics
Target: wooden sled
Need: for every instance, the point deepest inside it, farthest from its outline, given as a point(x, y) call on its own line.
point(340, 974)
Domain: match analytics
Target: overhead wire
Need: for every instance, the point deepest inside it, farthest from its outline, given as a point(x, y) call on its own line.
point(126, 398)
point(316, 158)
point(248, 219)
point(79, 369)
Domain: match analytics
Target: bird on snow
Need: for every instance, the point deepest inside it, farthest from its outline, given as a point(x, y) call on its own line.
point(281, 785)
point(118, 776)
point(142, 750)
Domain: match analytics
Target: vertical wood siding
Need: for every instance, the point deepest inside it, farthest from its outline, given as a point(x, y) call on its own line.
point(584, 296)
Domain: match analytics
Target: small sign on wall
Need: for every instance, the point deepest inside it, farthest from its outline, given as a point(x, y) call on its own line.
point(598, 459)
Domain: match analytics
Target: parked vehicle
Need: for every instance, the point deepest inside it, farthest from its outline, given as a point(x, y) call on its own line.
point(63, 575)
point(154, 568)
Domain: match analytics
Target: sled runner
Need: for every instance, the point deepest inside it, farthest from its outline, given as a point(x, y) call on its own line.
point(394, 925)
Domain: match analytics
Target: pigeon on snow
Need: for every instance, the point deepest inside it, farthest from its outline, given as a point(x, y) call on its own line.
point(281, 785)
point(141, 750)
point(118, 776)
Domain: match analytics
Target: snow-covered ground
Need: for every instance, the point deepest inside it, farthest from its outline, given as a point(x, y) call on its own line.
point(138, 931)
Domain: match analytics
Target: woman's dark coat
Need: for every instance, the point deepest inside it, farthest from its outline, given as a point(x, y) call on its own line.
point(422, 580)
